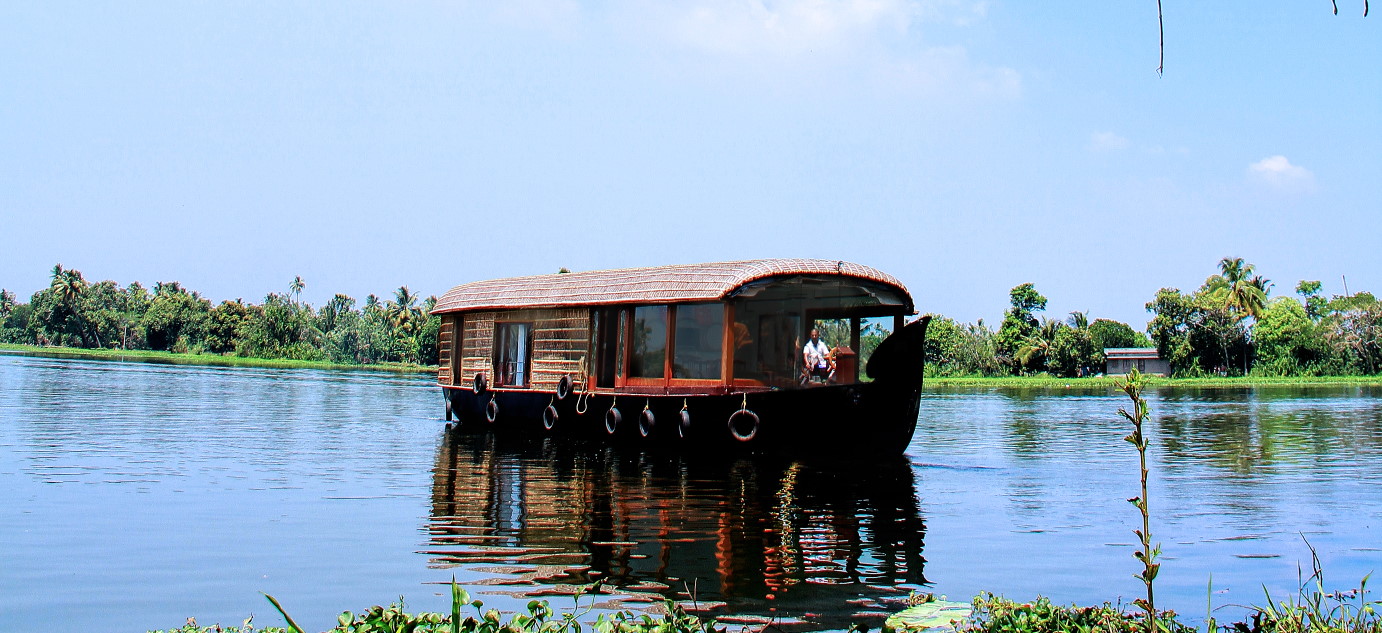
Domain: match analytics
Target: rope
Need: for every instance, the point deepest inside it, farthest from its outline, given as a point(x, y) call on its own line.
point(584, 395)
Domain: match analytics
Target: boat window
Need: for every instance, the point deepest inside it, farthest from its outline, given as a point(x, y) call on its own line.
point(607, 344)
point(513, 344)
point(773, 317)
point(767, 343)
point(649, 342)
point(698, 344)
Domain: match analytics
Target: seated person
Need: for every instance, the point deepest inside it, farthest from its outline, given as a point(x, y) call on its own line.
point(817, 359)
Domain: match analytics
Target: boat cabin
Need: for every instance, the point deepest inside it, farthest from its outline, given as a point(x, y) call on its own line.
point(686, 329)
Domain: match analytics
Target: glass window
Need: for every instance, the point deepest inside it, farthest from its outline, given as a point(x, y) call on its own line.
point(512, 344)
point(649, 342)
point(699, 341)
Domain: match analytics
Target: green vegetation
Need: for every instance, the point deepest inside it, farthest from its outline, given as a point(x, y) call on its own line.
point(1047, 381)
point(74, 313)
point(206, 359)
point(540, 618)
point(1230, 326)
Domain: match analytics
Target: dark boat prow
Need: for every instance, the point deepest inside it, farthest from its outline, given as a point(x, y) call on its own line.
point(901, 357)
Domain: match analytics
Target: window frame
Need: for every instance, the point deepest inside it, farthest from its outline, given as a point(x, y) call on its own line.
point(500, 326)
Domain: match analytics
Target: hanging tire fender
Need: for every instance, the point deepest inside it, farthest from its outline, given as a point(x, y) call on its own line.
point(646, 422)
point(612, 419)
point(743, 425)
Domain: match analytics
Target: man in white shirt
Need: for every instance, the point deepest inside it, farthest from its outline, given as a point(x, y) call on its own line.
point(817, 358)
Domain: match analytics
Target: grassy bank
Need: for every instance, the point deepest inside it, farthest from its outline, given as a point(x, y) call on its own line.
point(1107, 382)
point(171, 358)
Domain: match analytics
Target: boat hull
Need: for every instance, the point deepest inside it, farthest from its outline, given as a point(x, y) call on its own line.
point(865, 417)
point(876, 417)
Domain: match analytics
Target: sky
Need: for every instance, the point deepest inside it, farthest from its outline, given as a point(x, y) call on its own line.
point(965, 147)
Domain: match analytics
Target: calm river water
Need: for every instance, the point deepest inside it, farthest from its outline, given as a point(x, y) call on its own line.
point(133, 496)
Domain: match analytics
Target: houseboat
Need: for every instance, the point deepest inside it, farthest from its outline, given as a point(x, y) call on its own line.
point(707, 355)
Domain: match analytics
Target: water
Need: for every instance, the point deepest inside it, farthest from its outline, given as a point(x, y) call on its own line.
point(135, 495)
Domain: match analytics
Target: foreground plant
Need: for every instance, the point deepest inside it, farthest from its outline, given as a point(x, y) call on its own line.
point(994, 614)
point(1133, 386)
point(540, 618)
point(1314, 610)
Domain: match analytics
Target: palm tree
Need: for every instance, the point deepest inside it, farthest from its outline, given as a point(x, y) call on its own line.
point(332, 311)
point(1037, 348)
point(402, 313)
point(401, 309)
point(295, 288)
point(1078, 320)
point(70, 288)
point(1246, 294)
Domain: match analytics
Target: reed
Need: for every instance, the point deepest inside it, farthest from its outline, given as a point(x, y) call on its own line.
point(1315, 610)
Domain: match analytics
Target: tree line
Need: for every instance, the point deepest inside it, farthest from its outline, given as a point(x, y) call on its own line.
point(76, 313)
point(1230, 326)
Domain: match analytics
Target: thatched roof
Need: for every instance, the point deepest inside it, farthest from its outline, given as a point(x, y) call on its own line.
point(656, 285)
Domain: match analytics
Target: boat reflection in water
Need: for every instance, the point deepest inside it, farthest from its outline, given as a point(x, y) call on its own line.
point(805, 544)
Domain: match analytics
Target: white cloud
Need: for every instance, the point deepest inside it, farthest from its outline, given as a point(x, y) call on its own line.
point(1106, 142)
point(882, 39)
point(1278, 173)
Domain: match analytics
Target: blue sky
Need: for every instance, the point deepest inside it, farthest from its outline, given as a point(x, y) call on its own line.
point(965, 147)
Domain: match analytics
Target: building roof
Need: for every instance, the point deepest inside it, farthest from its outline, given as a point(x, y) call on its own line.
point(1147, 353)
point(656, 285)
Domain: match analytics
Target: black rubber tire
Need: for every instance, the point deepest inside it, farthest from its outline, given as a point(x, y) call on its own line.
point(549, 417)
point(646, 423)
point(750, 418)
point(492, 410)
point(612, 419)
point(684, 428)
point(480, 384)
point(564, 387)
point(448, 408)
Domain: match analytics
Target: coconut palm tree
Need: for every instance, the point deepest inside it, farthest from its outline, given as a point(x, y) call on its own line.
point(401, 309)
point(1247, 295)
point(70, 287)
point(1037, 348)
point(295, 288)
point(1078, 320)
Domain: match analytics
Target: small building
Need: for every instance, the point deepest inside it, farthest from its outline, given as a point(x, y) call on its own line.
point(1121, 360)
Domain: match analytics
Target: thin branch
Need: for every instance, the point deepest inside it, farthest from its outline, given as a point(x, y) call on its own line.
point(1161, 31)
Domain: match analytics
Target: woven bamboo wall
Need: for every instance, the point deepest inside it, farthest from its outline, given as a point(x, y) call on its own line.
point(444, 338)
point(561, 341)
point(477, 342)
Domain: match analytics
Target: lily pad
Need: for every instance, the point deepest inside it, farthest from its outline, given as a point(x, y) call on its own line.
point(931, 616)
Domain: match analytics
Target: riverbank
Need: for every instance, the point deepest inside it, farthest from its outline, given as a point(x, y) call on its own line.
point(215, 360)
point(1107, 382)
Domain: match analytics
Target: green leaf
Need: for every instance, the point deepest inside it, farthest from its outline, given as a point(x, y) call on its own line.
point(292, 626)
point(931, 615)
